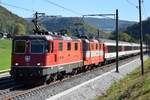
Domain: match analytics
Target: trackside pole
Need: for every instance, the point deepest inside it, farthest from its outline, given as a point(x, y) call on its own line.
point(117, 31)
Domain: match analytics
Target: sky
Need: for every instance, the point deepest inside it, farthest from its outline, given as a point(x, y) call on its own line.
point(128, 9)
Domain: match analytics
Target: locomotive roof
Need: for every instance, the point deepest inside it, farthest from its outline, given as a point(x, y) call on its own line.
point(46, 37)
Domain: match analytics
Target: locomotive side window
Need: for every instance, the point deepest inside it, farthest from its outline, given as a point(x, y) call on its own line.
point(37, 46)
point(68, 46)
point(60, 46)
point(99, 46)
point(19, 46)
point(76, 46)
point(96, 46)
point(48, 47)
point(52, 47)
point(92, 46)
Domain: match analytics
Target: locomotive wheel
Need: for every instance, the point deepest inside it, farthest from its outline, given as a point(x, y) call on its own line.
point(54, 77)
point(90, 68)
point(86, 68)
point(100, 64)
point(75, 71)
point(59, 76)
point(49, 80)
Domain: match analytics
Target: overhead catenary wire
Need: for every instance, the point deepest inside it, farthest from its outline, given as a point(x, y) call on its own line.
point(144, 10)
point(10, 5)
point(131, 3)
point(62, 7)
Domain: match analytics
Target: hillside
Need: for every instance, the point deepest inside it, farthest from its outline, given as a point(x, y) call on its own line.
point(134, 30)
point(108, 24)
point(8, 20)
point(90, 25)
point(71, 24)
point(105, 24)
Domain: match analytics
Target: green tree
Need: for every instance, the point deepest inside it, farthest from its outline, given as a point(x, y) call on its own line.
point(147, 38)
point(19, 29)
point(124, 37)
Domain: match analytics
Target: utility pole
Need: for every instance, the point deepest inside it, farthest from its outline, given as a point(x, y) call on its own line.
point(117, 31)
point(141, 38)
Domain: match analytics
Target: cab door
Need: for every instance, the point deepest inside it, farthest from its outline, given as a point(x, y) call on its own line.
point(51, 58)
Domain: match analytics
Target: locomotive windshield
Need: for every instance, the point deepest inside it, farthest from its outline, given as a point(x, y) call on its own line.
point(19, 46)
point(37, 46)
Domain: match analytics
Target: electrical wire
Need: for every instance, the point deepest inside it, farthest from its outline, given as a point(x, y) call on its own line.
point(129, 2)
point(60, 6)
point(144, 10)
point(25, 9)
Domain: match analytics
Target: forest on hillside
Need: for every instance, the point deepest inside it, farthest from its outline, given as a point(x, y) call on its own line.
point(134, 30)
point(10, 23)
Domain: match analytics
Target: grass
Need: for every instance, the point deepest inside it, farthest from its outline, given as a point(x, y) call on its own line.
point(133, 87)
point(5, 54)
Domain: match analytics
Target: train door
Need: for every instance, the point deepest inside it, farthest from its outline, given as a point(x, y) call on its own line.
point(51, 54)
point(91, 59)
point(104, 51)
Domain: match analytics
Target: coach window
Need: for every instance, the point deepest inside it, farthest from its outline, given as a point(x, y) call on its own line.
point(68, 46)
point(111, 49)
point(120, 48)
point(135, 48)
point(19, 46)
point(76, 46)
point(125, 48)
point(129, 48)
point(60, 46)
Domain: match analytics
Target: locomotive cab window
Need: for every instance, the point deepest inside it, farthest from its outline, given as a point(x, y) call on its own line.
point(37, 46)
point(19, 46)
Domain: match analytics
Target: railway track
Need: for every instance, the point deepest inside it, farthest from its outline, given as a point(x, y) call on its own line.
point(8, 85)
point(18, 91)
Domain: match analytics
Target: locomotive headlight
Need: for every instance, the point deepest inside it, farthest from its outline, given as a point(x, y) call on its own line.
point(38, 64)
point(16, 64)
